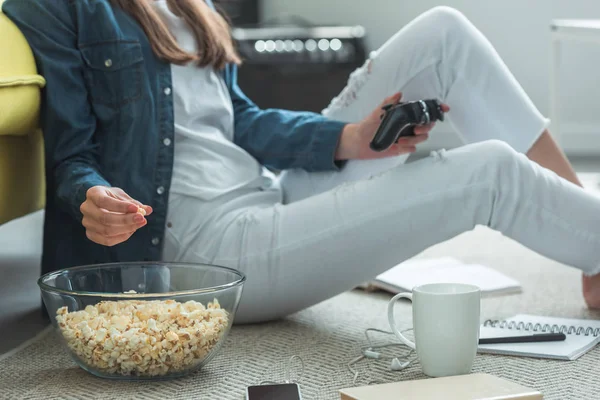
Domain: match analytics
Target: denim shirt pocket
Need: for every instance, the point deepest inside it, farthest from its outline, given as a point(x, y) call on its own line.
point(113, 72)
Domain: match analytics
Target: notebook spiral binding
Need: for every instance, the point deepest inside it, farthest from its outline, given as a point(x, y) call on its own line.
point(545, 328)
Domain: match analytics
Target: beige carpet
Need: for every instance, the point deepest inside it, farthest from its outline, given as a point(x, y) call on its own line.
point(328, 336)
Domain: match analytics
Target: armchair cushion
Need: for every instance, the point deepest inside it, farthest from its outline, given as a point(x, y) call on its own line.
point(22, 185)
point(19, 82)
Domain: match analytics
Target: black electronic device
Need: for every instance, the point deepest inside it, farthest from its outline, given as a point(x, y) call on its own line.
point(297, 67)
point(240, 12)
point(400, 119)
point(283, 391)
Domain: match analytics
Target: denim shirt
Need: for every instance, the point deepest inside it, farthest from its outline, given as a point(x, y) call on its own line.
point(107, 117)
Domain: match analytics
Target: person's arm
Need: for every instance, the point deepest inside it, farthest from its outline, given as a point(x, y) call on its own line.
point(66, 116)
point(109, 215)
point(282, 139)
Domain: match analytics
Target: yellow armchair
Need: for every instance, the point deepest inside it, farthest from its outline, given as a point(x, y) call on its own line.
point(22, 188)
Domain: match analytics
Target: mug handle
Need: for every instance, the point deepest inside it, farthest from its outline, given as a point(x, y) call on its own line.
point(392, 321)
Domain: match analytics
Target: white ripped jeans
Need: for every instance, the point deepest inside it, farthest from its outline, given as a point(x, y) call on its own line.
point(335, 230)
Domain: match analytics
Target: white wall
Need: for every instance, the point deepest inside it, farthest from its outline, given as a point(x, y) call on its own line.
point(519, 29)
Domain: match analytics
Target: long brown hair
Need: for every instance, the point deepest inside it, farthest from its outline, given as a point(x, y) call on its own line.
point(214, 43)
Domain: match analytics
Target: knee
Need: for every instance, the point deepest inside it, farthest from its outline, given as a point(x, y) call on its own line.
point(452, 23)
point(497, 155)
point(446, 17)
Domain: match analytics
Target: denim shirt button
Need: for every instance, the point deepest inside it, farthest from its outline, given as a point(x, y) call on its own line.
point(167, 91)
point(155, 241)
point(167, 142)
point(160, 190)
point(108, 63)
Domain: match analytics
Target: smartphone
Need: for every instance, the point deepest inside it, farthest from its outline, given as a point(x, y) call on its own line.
point(284, 391)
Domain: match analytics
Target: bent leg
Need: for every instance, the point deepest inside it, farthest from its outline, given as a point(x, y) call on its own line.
point(299, 254)
point(548, 154)
point(440, 54)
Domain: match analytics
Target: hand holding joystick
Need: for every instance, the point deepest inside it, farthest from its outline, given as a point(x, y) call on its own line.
point(400, 119)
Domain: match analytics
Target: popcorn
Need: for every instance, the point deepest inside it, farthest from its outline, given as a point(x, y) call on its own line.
point(143, 338)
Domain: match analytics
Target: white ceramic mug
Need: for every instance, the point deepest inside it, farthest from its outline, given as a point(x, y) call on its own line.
point(446, 326)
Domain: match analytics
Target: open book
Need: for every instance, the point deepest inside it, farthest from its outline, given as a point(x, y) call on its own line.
point(582, 336)
point(405, 276)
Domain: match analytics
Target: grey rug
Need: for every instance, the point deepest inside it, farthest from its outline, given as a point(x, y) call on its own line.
point(329, 335)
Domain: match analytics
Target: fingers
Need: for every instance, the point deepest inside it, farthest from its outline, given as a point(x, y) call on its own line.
point(107, 218)
point(396, 97)
point(390, 100)
point(398, 149)
point(109, 230)
point(107, 241)
point(148, 209)
point(411, 141)
point(422, 129)
point(404, 145)
point(393, 99)
point(115, 200)
point(102, 200)
point(111, 216)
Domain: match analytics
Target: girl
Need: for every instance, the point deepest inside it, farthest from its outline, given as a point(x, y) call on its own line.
point(142, 110)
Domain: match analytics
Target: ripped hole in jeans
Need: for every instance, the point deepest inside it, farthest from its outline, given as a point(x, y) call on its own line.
point(357, 79)
point(439, 155)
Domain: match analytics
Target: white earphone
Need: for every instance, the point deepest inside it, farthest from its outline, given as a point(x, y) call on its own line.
point(370, 352)
point(397, 365)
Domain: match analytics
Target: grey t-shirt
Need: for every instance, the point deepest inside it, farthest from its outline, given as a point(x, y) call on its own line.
point(207, 163)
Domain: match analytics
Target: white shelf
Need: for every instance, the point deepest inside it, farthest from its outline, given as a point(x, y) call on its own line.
point(583, 30)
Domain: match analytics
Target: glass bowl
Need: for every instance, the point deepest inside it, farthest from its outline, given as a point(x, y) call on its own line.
point(150, 320)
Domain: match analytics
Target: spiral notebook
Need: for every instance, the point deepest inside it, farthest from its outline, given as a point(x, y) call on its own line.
point(582, 336)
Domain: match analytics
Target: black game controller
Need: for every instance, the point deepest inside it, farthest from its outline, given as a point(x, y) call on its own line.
point(400, 119)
